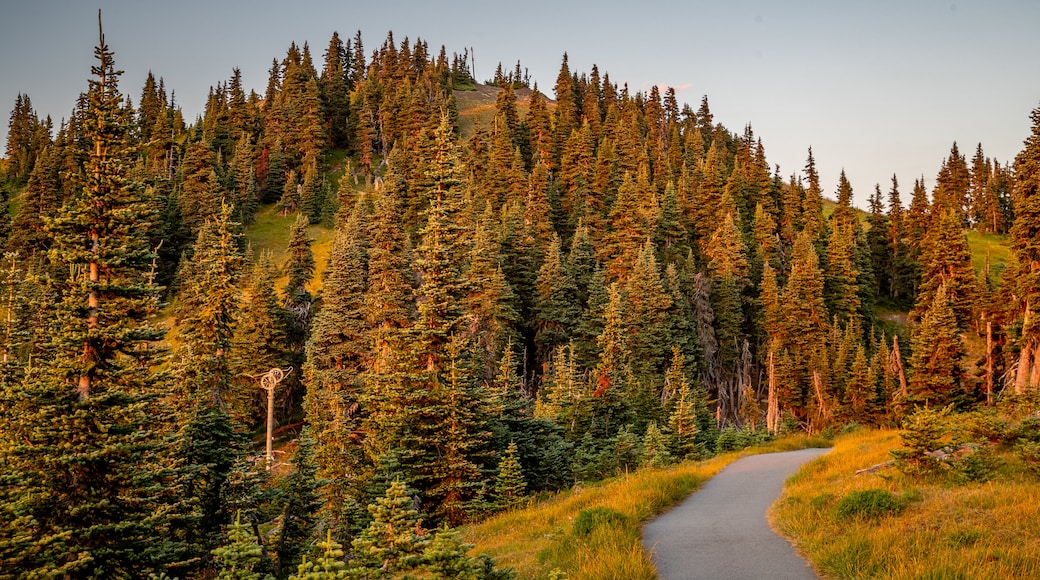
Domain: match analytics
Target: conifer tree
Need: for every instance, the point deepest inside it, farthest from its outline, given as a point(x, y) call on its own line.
point(208, 308)
point(337, 352)
point(610, 379)
point(388, 296)
point(655, 448)
point(938, 379)
point(490, 303)
point(298, 504)
point(335, 91)
point(840, 275)
point(41, 199)
point(509, 484)
point(260, 342)
point(85, 442)
point(646, 317)
point(394, 540)
point(812, 204)
point(556, 307)
point(1025, 243)
point(946, 260)
point(240, 556)
point(682, 422)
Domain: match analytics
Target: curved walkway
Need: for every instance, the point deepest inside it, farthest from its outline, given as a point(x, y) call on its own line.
point(720, 532)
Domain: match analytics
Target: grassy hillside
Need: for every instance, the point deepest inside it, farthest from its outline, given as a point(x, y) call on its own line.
point(270, 233)
point(976, 521)
point(594, 531)
point(477, 107)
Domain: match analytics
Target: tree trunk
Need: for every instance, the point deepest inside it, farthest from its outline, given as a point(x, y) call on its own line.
point(1025, 359)
point(773, 406)
point(989, 363)
point(896, 363)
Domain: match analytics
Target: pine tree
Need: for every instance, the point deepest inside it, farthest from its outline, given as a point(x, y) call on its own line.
point(841, 276)
point(240, 556)
point(938, 378)
point(655, 448)
point(299, 503)
point(209, 301)
point(337, 352)
point(812, 204)
point(329, 566)
point(610, 377)
point(388, 297)
point(946, 260)
point(393, 542)
point(682, 422)
point(260, 343)
point(93, 469)
point(509, 484)
point(556, 307)
point(646, 317)
point(335, 91)
point(1025, 243)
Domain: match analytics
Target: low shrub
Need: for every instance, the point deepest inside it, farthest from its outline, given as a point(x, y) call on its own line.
point(868, 504)
point(979, 465)
point(1029, 453)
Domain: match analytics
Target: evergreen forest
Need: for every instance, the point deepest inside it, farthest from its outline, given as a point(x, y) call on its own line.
point(460, 294)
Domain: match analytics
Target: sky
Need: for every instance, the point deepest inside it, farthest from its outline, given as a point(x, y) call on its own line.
point(875, 87)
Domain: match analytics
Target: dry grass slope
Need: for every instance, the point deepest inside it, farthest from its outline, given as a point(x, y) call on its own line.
point(975, 531)
point(542, 537)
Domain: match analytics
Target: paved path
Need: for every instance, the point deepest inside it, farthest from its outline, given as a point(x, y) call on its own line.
point(721, 533)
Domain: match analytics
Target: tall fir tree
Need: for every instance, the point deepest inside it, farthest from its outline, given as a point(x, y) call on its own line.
point(93, 470)
point(1025, 243)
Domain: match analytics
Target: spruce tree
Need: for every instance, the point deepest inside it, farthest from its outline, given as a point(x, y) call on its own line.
point(556, 307)
point(938, 379)
point(509, 484)
point(1025, 243)
point(946, 260)
point(393, 542)
point(260, 343)
point(240, 556)
point(337, 352)
point(94, 472)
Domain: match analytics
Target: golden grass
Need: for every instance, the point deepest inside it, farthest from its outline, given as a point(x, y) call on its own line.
point(540, 538)
point(269, 232)
point(983, 530)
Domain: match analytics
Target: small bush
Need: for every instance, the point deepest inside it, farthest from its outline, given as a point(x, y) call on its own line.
point(978, 466)
point(1029, 453)
point(592, 518)
point(924, 432)
point(868, 504)
point(1028, 431)
point(821, 501)
point(730, 440)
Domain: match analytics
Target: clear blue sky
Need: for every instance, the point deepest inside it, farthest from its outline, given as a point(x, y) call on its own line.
point(875, 87)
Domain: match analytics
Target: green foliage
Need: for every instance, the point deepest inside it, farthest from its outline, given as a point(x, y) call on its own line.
point(509, 485)
point(869, 504)
point(330, 566)
point(731, 439)
point(924, 432)
point(655, 448)
point(240, 557)
point(1029, 453)
point(979, 465)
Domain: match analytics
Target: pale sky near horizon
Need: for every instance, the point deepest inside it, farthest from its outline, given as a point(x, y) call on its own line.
point(874, 87)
